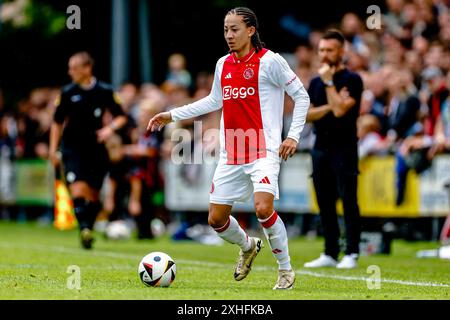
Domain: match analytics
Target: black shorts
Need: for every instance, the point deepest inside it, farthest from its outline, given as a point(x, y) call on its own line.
point(89, 166)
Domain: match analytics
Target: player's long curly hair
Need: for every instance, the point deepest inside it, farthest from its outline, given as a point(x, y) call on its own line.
point(250, 20)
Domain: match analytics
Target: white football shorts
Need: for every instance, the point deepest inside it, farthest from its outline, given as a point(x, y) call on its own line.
point(237, 183)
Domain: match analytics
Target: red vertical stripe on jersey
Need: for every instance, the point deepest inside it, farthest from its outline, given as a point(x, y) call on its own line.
point(243, 127)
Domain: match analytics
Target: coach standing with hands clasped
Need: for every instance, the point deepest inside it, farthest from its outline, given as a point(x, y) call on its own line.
point(335, 102)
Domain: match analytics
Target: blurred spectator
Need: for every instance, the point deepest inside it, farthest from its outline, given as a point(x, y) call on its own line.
point(370, 141)
point(420, 45)
point(27, 127)
point(145, 178)
point(413, 154)
point(393, 17)
point(128, 94)
point(178, 75)
point(413, 63)
point(117, 182)
point(438, 93)
point(356, 61)
point(314, 38)
point(306, 63)
point(44, 102)
point(444, 22)
point(434, 55)
point(204, 80)
point(118, 188)
point(8, 136)
point(352, 29)
point(428, 17)
point(176, 95)
point(393, 51)
point(374, 99)
point(153, 92)
point(404, 105)
point(442, 128)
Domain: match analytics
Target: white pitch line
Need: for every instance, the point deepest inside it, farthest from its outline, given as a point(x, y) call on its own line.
point(353, 278)
point(119, 255)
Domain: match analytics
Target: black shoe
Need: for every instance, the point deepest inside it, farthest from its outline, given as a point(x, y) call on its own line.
point(86, 238)
point(145, 236)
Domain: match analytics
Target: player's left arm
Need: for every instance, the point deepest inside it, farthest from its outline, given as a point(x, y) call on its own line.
point(59, 116)
point(117, 122)
point(302, 103)
point(341, 101)
point(289, 81)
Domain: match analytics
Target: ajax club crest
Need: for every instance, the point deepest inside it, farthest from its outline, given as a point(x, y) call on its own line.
point(248, 73)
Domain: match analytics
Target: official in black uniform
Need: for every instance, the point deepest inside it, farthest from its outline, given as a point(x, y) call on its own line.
point(79, 120)
point(335, 97)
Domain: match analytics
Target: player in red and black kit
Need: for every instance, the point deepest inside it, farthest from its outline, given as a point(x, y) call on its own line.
point(79, 120)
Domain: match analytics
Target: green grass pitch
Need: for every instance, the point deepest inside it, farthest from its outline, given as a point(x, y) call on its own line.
point(34, 261)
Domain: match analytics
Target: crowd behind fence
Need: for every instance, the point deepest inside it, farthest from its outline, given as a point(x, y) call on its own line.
point(405, 105)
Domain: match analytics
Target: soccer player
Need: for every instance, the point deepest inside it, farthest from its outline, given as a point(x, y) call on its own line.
point(249, 85)
point(335, 98)
point(79, 120)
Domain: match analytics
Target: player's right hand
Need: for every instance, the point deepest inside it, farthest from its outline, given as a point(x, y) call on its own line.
point(287, 148)
point(326, 72)
point(158, 122)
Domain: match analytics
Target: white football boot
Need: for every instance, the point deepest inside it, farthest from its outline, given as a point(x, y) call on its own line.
point(348, 262)
point(321, 262)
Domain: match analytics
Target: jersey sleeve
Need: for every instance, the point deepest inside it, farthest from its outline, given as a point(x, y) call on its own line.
point(114, 103)
point(208, 104)
point(356, 88)
point(285, 78)
point(312, 89)
point(61, 108)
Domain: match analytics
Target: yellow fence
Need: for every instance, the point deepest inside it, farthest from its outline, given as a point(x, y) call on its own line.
point(425, 195)
point(32, 183)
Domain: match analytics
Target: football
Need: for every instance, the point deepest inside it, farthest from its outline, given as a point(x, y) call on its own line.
point(157, 269)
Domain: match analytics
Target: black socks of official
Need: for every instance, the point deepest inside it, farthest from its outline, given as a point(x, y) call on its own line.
point(86, 212)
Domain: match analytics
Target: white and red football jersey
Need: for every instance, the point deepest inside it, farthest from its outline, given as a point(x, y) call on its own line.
point(251, 92)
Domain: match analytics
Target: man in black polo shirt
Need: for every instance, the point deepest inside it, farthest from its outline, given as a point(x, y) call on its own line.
point(79, 119)
point(335, 97)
